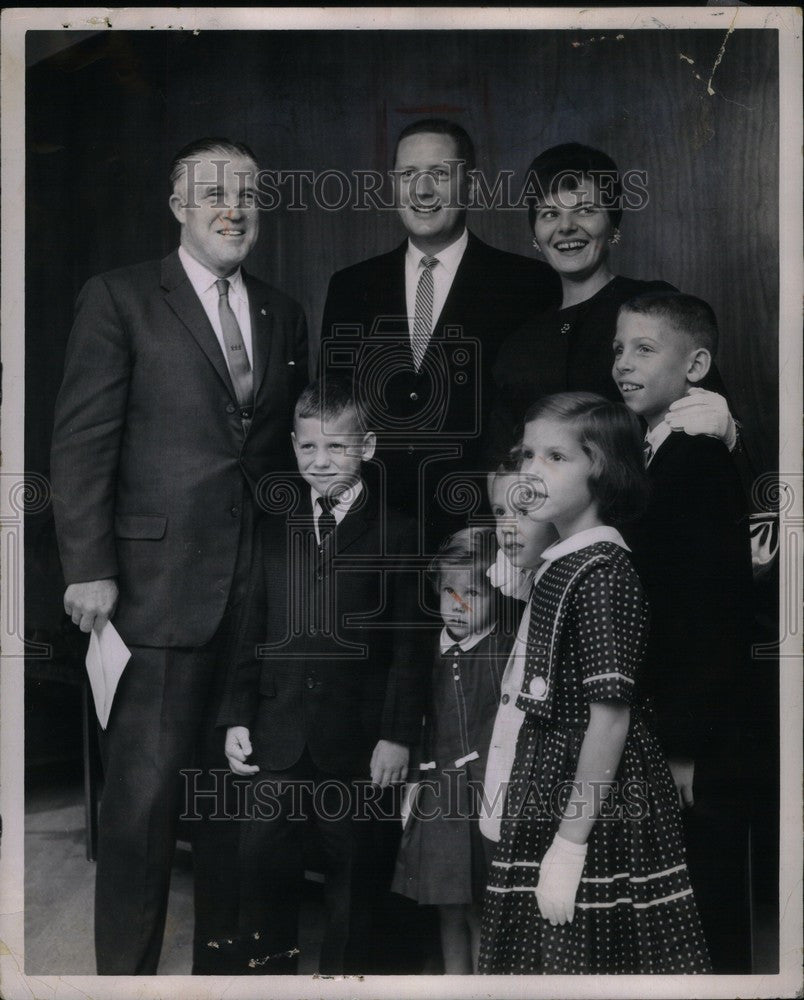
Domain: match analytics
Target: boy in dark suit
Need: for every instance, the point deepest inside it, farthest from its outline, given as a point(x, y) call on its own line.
point(692, 551)
point(335, 695)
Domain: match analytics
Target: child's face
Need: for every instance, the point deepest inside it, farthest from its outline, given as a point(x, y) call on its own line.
point(522, 539)
point(652, 365)
point(466, 601)
point(330, 451)
point(559, 470)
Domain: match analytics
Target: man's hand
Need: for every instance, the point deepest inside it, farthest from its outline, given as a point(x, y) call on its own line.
point(683, 771)
point(92, 604)
point(389, 763)
point(237, 748)
point(703, 412)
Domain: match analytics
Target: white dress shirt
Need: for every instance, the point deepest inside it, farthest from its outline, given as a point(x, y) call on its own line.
point(340, 509)
point(656, 438)
point(203, 282)
point(443, 275)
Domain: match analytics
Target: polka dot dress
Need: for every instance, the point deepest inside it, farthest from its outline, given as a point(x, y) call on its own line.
point(634, 911)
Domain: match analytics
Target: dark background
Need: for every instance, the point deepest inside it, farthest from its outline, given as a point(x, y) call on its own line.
point(106, 111)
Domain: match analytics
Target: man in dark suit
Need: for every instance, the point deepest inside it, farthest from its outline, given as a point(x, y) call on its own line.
point(335, 694)
point(178, 388)
point(419, 327)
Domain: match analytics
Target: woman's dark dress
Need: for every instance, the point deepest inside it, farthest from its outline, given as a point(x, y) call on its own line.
point(562, 350)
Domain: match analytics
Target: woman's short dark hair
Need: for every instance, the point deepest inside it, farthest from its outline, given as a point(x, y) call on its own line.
point(611, 436)
point(567, 165)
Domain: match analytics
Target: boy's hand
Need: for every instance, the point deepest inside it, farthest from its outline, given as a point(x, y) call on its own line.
point(237, 748)
point(683, 771)
point(703, 412)
point(389, 763)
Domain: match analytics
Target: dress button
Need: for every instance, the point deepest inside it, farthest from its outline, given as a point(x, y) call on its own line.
point(311, 682)
point(235, 511)
point(245, 413)
point(415, 397)
point(505, 699)
point(538, 686)
point(230, 407)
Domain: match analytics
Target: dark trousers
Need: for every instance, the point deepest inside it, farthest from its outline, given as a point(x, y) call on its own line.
point(162, 722)
point(287, 806)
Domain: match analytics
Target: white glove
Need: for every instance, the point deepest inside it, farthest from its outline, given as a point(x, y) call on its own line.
point(559, 878)
point(509, 579)
point(703, 412)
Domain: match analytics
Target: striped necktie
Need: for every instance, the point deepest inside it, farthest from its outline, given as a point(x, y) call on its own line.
point(236, 356)
point(423, 312)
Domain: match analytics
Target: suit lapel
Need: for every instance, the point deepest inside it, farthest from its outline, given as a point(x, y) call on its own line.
point(453, 312)
point(180, 296)
point(261, 328)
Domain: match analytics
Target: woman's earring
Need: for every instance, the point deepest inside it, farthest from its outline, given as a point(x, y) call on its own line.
point(615, 237)
point(536, 246)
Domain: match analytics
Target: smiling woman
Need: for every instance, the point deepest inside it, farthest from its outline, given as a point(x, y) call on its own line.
point(574, 213)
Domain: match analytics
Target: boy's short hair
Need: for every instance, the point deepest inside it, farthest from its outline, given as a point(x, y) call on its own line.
point(686, 314)
point(328, 398)
point(473, 548)
point(611, 436)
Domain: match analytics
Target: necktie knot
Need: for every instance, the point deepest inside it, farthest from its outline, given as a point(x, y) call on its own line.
point(222, 284)
point(428, 262)
point(326, 503)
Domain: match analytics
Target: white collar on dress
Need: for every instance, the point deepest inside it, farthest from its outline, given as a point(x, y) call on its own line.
point(580, 540)
point(446, 641)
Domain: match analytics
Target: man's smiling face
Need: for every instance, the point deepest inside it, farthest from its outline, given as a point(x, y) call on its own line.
point(431, 190)
point(215, 202)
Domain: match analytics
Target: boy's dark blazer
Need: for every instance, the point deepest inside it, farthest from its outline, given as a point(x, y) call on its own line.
point(307, 689)
point(449, 399)
point(691, 549)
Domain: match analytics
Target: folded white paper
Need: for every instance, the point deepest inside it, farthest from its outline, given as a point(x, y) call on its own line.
point(107, 657)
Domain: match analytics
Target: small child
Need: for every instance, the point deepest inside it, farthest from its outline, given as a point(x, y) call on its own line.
point(692, 552)
point(589, 876)
point(442, 859)
point(335, 697)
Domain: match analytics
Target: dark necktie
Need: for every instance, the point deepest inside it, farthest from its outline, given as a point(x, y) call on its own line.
point(423, 312)
point(236, 356)
point(326, 519)
point(647, 453)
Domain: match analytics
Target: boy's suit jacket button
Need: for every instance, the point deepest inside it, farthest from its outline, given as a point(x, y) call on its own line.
point(235, 511)
point(410, 449)
point(414, 396)
point(311, 682)
point(505, 699)
point(230, 407)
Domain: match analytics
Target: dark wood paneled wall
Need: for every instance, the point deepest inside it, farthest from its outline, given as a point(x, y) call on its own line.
point(105, 115)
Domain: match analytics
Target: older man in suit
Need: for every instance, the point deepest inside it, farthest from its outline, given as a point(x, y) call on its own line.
point(178, 390)
point(420, 326)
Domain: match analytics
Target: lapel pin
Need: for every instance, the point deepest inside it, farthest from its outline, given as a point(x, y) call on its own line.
point(263, 312)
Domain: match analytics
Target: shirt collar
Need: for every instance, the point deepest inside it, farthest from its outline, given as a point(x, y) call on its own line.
point(578, 541)
point(203, 280)
point(450, 256)
point(345, 500)
point(446, 641)
point(660, 433)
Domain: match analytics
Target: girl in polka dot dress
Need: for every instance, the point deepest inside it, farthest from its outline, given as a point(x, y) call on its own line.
point(589, 874)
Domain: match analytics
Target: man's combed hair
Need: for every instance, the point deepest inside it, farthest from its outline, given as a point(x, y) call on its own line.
point(473, 548)
point(464, 146)
point(217, 145)
point(611, 436)
point(328, 397)
point(686, 314)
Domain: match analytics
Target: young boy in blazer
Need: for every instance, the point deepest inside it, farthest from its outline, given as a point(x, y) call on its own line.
point(325, 696)
point(692, 551)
